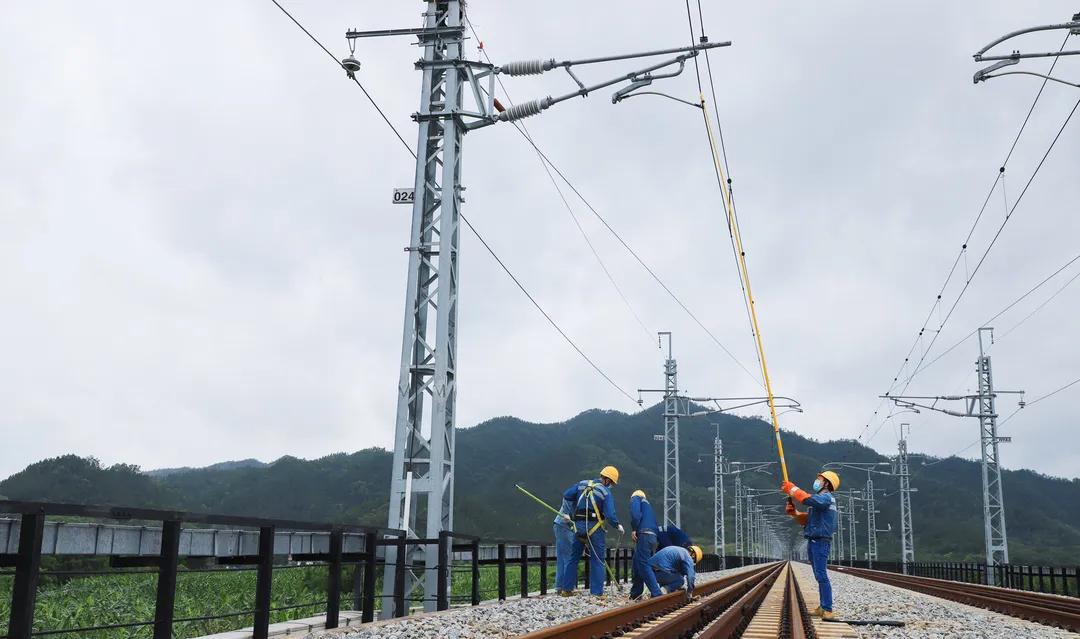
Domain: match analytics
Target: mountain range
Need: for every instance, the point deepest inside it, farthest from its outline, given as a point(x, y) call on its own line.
point(547, 458)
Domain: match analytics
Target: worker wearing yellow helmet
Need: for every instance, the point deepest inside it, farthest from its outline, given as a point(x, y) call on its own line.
point(674, 565)
point(643, 531)
point(587, 507)
point(819, 525)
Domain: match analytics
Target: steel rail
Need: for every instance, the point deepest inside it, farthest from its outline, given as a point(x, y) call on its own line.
point(742, 599)
point(620, 620)
point(1043, 608)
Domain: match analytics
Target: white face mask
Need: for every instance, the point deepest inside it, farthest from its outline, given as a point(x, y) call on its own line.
point(818, 485)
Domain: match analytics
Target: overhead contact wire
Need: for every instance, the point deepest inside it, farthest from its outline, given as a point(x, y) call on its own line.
point(468, 224)
point(937, 302)
point(629, 249)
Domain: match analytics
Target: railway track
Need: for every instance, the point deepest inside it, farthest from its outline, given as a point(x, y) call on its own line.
point(1051, 610)
point(761, 603)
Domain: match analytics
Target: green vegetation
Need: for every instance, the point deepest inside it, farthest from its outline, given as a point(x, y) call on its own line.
point(129, 598)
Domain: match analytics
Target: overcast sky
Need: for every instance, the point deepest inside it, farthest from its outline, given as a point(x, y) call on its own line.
point(200, 261)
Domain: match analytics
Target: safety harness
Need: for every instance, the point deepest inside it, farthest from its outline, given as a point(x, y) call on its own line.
point(587, 498)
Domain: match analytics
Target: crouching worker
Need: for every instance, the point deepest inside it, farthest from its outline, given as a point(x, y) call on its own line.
point(819, 525)
point(592, 506)
point(674, 565)
point(643, 531)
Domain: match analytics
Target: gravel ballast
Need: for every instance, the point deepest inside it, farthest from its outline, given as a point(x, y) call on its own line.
point(496, 620)
point(926, 617)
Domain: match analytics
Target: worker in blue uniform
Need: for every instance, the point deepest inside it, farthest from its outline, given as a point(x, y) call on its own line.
point(643, 530)
point(589, 506)
point(673, 567)
point(819, 525)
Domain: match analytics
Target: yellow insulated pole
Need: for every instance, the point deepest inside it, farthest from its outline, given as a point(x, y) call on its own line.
point(744, 273)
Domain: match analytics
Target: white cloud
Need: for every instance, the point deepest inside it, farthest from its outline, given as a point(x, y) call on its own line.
point(199, 259)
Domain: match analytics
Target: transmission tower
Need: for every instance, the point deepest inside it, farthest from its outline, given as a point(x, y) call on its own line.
point(672, 502)
point(981, 406)
point(907, 533)
point(422, 480)
point(719, 542)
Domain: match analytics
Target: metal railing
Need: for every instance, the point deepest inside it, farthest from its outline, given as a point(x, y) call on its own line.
point(1059, 580)
point(162, 543)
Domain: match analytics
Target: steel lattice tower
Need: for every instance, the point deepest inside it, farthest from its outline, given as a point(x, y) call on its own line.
point(672, 505)
point(739, 549)
point(871, 523)
point(422, 484)
point(719, 542)
point(852, 550)
point(907, 534)
point(997, 541)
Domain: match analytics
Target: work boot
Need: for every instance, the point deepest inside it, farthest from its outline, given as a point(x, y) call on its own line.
point(817, 612)
point(828, 615)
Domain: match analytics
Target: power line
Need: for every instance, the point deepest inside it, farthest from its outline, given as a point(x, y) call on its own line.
point(472, 228)
point(937, 301)
point(338, 62)
point(720, 179)
point(524, 131)
point(1040, 306)
point(1006, 309)
point(627, 246)
point(1010, 416)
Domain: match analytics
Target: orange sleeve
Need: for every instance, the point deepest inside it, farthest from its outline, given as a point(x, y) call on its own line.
point(801, 518)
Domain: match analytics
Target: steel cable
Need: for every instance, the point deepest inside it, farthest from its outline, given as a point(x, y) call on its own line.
point(468, 224)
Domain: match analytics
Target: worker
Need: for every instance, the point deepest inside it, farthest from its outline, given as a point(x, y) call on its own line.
point(673, 565)
point(819, 524)
point(589, 505)
point(643, 531)
point(565, 532)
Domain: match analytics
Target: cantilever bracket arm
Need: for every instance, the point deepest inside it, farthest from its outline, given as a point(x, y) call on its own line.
point(641, 77)
point(1073, 27)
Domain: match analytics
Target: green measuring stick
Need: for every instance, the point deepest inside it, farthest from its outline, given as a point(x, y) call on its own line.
point(537, 500)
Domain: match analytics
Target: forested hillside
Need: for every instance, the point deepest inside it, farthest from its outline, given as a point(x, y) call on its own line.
point(546, 458)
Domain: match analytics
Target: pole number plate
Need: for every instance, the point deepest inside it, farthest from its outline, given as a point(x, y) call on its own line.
point(404, 196)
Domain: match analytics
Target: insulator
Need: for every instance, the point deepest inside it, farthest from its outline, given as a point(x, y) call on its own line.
point(524, 110)
point(525, 67)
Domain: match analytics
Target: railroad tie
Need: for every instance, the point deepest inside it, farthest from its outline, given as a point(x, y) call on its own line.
point(766, 622)
point(810, 596)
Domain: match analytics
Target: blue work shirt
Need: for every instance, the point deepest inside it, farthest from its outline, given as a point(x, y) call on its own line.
point(642, 517)
point(576, 501)
point(675, 559)
point(821, 519)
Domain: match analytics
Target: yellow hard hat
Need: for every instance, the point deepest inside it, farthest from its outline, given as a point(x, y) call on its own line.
point(832, 478)
point(611, 473)
point(697, 552)
point(639, 493)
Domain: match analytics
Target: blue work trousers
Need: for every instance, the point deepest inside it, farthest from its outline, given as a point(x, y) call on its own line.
point(644, 577)
point(671, 581)
point(818, 549)
point(565, 564)
point(597, 566)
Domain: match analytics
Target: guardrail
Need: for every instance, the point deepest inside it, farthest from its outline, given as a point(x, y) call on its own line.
point(156, 541)
point(1059, 580)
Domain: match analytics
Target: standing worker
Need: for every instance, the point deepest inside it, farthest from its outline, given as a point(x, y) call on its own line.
point(673, 564)
point(643, 530)
point(819, 525)
point(590, 505)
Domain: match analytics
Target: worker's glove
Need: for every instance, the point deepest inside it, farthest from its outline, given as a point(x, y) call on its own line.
point(689, 594)
point(789, 508)
point(786, 487)
point(633, 535)
point(567, 519)
point(794, 492)
point(621, 529)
